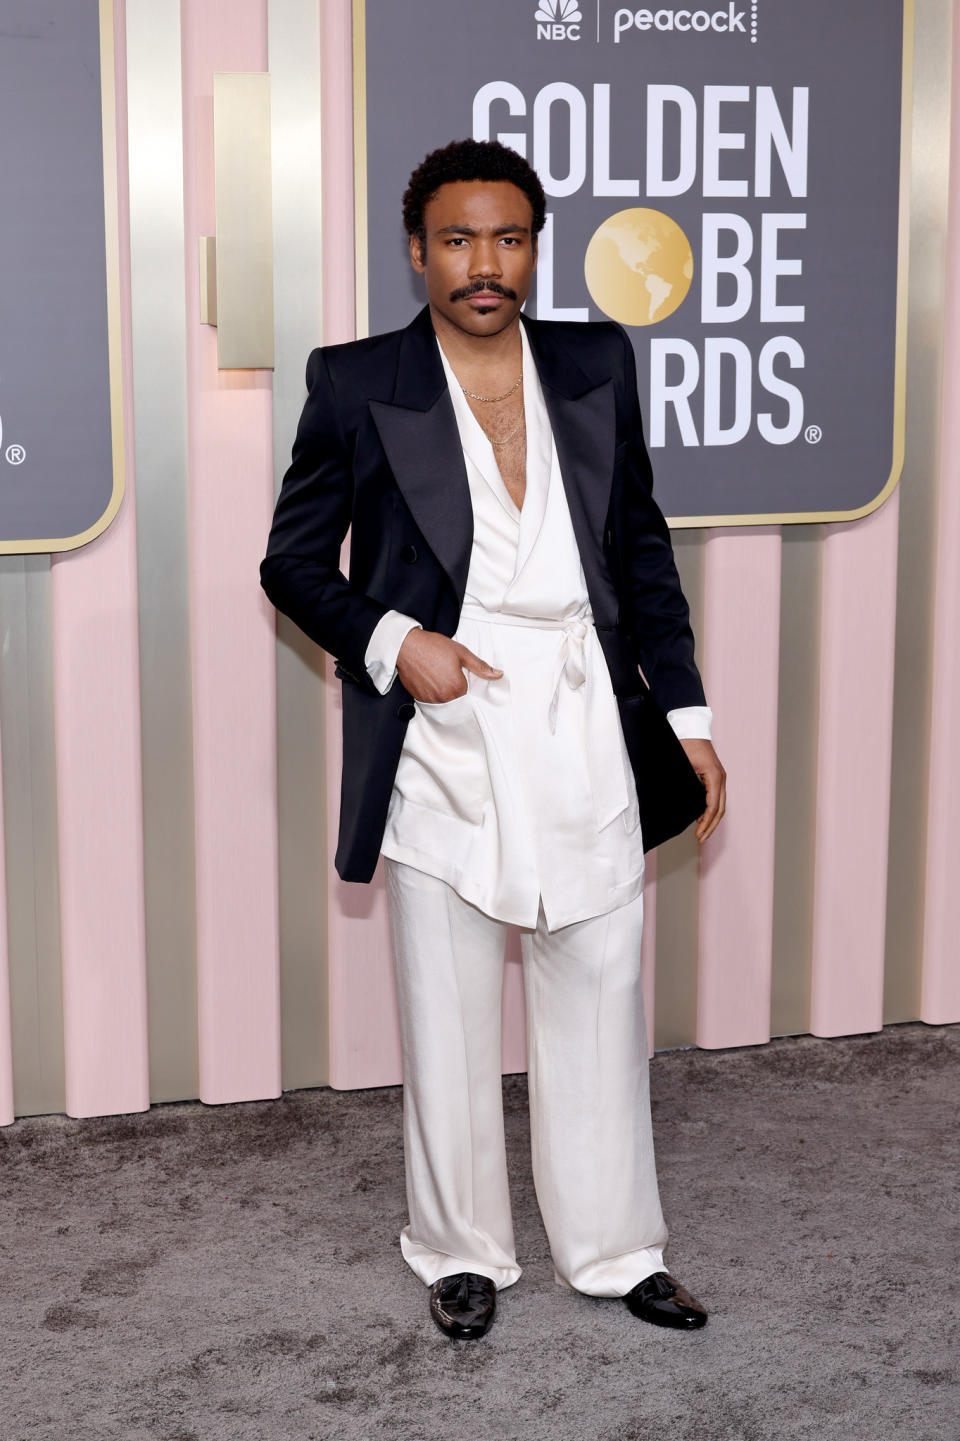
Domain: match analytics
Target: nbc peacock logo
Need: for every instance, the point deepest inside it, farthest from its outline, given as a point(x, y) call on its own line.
point(558, 20)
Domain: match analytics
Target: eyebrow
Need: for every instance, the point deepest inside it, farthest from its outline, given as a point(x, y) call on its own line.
point(497, 230)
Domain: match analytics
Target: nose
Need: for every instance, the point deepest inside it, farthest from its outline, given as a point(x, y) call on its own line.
point(486, 258)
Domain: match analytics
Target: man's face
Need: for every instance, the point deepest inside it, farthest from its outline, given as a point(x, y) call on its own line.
point(480, 254)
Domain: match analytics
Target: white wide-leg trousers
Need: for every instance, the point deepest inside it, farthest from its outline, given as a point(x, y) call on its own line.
point(593, 1161)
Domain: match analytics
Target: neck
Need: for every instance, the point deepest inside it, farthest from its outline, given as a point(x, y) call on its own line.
point(478, 353)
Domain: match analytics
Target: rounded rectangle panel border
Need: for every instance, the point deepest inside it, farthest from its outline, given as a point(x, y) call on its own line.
point(730, 184)
point(61, 410)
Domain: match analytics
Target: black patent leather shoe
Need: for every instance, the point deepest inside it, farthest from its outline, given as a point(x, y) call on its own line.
point(664, 1302)
point(463, 1305)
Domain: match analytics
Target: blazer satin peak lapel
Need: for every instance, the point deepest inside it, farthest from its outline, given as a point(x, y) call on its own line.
point(418, 431)
point(583, 418)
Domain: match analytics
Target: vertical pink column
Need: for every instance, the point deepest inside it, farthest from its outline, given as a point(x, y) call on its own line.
point(97, 728)
point(231, 625)
point(940, 977)
point(336, 60)
point(514, 1010)
point(6, 1047)
point(741, 646)
point(648, 947)
point(857, 631)
point(364, 1042)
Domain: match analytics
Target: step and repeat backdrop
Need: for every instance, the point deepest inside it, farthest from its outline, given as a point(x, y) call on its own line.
point(725, 182)
point(59, 485)
point(169, 922)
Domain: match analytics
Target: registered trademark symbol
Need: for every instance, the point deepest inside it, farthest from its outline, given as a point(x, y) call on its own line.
point(16, 454)
point(813, 435)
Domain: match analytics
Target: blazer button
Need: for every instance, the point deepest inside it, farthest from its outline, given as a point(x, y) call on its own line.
point(407, 711)
point(409, 554)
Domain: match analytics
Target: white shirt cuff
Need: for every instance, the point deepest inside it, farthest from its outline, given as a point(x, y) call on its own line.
point(690, 722)
point(383, 648)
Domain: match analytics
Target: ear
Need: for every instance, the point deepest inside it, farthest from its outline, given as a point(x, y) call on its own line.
point(418, 257)
point(536, 251)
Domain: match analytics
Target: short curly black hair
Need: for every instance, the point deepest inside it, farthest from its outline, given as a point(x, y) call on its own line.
point(469, 160)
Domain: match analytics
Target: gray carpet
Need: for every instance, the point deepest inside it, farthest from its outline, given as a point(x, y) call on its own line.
point(198, 1273)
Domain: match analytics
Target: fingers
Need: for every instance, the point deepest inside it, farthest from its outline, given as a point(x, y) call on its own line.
point(715, 781)
point(431, 667)
point(473, 663)
point(706, 764)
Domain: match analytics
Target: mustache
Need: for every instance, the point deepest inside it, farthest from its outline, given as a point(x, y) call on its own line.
point(491, 287)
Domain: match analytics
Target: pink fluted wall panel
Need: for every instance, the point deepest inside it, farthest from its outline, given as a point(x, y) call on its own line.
point(648, 948)
point(940, 977)
point(857, 632)
point(741, 647)
point(364, 1042)
point(232, 625)
point(336, 60)
point(97, 729)
point(514, 1010)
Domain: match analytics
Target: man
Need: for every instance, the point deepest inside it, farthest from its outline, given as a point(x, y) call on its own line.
point(510, 575)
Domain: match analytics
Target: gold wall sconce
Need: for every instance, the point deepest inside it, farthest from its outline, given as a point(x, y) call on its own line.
point(236, 266)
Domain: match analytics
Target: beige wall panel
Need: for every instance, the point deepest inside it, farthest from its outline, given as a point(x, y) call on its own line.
point(796, 779)
point(154, 112)
point(30, 829)
point(294, 50)
point(678, 868)
point(911, 720)
point(241, 144)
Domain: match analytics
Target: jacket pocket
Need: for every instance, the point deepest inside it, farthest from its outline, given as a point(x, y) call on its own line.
point(443, 767)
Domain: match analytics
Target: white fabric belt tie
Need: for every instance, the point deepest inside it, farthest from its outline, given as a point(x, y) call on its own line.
point(571, 657)
point(607, 780)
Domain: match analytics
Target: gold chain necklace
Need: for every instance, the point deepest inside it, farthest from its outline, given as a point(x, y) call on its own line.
point(491, 399)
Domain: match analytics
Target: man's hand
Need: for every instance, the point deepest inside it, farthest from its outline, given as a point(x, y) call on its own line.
point(706, 763)
point(431, 666)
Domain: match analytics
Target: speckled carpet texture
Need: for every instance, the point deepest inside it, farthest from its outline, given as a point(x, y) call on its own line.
point(233, 1274)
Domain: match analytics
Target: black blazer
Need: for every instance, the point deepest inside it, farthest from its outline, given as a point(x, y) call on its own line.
point(378, 452)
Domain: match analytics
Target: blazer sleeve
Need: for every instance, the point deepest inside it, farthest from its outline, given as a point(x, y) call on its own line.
point(654, 611)
point(301, 571)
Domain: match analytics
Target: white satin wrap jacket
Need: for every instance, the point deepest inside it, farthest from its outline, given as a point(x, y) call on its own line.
point(520, 792)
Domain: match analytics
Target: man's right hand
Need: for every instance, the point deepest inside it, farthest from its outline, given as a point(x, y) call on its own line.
point(431, 666)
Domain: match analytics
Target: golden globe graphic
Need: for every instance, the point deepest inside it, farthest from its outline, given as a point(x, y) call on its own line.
point(638, 266)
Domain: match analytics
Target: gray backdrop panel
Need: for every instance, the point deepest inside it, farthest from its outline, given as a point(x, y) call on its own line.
point(54, 370)
point(850, 57)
